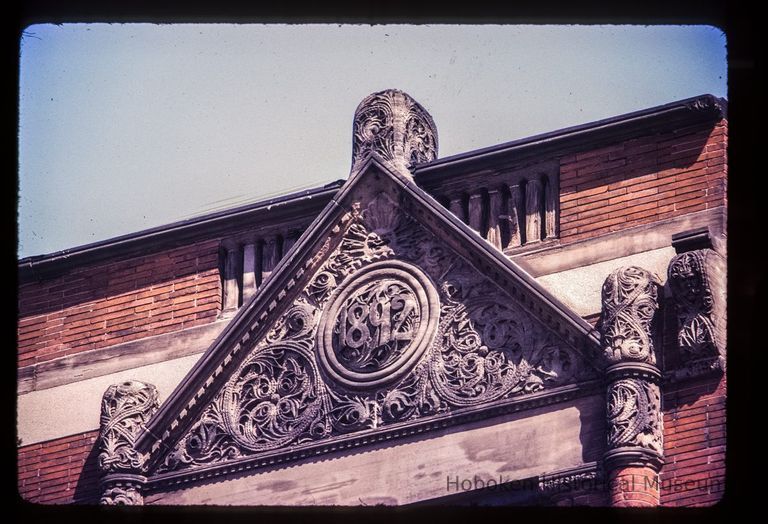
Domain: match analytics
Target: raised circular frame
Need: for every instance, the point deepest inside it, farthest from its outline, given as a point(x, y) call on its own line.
point(429, 308)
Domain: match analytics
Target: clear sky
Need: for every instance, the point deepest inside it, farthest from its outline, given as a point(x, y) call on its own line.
point(128, 126)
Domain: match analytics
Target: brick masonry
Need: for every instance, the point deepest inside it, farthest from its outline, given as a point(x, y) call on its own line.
point(642, 180)
point(103, 305)
point(633, 487)
point(60, 471)
point(694, 443)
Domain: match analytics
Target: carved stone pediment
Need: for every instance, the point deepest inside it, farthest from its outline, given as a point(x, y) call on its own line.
point(385, 325)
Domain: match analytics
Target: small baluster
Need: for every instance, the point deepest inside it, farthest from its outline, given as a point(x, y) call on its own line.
point(533, 211)
point(231, 284)
point(457, 208)
point(513, 215)
point(270, 257)
point(494, 211)
point(476, 211)
point(249, 271)
point(550, 203)
point(290, 240)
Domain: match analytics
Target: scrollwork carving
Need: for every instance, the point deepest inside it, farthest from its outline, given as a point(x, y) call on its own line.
point(378, 325)
point(630, 301)
point(271, 399)
point(358, 247)
point(491, 350)
point(125, 408)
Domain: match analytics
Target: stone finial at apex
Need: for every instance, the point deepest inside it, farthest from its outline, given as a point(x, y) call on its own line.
point(393, 125)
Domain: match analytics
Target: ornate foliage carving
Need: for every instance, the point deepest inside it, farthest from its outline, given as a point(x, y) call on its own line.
point(694, 296)
point(630, 300)
point(634, 415)
point(491, 350)
point(393, 125)
point(122, 496)
point(125, 408)
point(391, 328)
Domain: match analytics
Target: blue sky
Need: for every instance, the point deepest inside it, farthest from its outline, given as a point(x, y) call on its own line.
point(128, 126)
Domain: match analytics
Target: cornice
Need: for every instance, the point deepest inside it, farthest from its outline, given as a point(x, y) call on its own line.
point(703, 108)
point(274, 212)
point(284, 457)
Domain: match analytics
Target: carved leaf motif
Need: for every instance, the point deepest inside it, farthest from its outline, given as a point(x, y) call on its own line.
point(125, 408)
point(394, 126)
point(630, 300)
point(634, 415)
point(491, 350)
point(693, 294)
point(271, 399)
point(295, 324)
point(381, 216)
point(122, 496)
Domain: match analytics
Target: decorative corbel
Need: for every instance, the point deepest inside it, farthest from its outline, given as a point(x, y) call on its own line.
point(697, 282)
point(634, 417)
point(125, 409)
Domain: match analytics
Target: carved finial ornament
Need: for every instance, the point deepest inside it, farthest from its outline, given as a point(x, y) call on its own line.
point(393, 125)
point(125, 409)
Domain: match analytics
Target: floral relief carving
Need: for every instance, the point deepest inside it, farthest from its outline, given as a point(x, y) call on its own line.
point(394, 126)
point(391, 328)
point(694, 293)
point(634, 415)
point(125, 408)
point(490, 349)
point(630, 301)
point(122, 496)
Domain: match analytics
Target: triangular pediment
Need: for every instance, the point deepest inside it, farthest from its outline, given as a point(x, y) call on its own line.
point(388, 317)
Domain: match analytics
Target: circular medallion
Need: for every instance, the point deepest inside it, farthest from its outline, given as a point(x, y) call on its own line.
point(377, 325)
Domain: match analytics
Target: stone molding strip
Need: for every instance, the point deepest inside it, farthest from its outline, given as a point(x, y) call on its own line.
point(283, 457)
point(555, 258)
point(120, 357)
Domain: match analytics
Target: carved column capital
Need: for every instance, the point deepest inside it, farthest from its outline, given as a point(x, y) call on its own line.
point(633, 399)
point(635, 424)
point(696, 280)
point(125, 409)
point(122, 490)
point(629, 300)
point(397, 128)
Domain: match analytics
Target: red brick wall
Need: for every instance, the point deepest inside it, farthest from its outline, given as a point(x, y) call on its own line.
point(107, 304)
point(60, 471)
point(633, 486)
point(694, 443)
point(642, 180)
